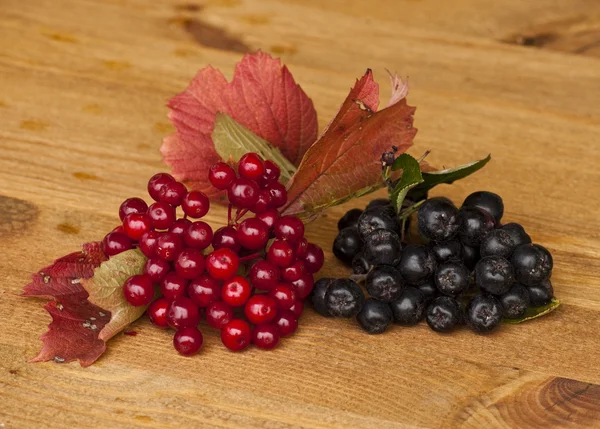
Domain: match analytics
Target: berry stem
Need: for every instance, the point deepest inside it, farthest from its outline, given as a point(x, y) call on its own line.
point(239, 214)
point(250, 257)
point(229, 208)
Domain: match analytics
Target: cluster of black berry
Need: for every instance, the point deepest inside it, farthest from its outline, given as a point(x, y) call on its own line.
point(192, 273)
point(472, 269)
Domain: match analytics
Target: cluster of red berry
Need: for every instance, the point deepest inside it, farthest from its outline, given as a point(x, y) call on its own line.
point(181, 285)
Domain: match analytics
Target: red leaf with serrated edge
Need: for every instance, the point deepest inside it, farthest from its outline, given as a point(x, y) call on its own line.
point(262, 96)
point(345, 160)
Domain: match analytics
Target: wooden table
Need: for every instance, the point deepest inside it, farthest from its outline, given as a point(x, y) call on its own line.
point(83, 87)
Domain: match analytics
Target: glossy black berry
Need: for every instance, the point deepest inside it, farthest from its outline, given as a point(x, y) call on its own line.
point(447, 250)
point(317, 296)
point(443, 314)
point(417, 264)
point(494, 275)
point(517, 233)
point(497, 243)
point(378, 202)
point(360, 265)
point(470, 256)
point(428, 289)
point(452, 278)
point(486, 201)
point(474, 225)
point(409, 308)
point(382, 247)
point(483, 313)
point(375, 316)
point(347, 244)
point(533, 264)
point(344, 298)
point(385, 283)
point(350, 219)
point(377, 218)
point(541, 294)
point(515, 302)
point(438, 219)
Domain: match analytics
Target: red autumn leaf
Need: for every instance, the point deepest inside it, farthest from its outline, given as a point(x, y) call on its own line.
point(262, 96)
point(345, 160)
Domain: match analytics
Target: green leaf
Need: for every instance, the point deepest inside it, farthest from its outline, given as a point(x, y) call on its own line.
point(105, 290)
point(535, 312)
point(447, 176)
point(411, 177)
point(232, 140)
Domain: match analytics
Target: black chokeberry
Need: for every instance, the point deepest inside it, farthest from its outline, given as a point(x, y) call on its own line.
point(515, 302)
point(375, 316)
point(382, 247)
point(452, 278)
point(438, 219)
point(447, 250)
point(317, 296)
point(417, 264)
point(494, 274)
point(378, 202)
point(350, 219)
point(344, 298)
point(486, 201)
point(541, 294)
point(533, 264)
point(443, 314)
point(409, 308)
point(497, 243)
point(474, 225)
point(483, 313)
point(377, 218)
point(347, 244)
point(385, 283)
point(428, 289)
point(470, 256)
point(360, 265)
point(517, 233)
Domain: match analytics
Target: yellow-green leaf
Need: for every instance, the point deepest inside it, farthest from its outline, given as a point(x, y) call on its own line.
point(535, 312)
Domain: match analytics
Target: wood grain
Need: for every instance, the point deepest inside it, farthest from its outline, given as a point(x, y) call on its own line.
point(83, 85)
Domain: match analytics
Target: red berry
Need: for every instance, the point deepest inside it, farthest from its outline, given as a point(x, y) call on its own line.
point(263, 202)
point(289, 228)
point(264, 275)
point(221, 175)
point(187, 341)
point(198, 235)
point(293, 272)
point(218, 314)
point(180, 226)
point(269, 218)
point(304, 285)
point(265, 337)
point(138, 290)
point(115, 243)
point(253, 234)
point(271, 173)
point(148, 243)
point(157, 312)
point(260, 309)
point(136, 225)
point(243, 193)
point(301, 248)
point(189, 263)
point(226, 237)
point(297, 308)
point(251, 166)
point(314, 258)
point(168, 246)
point(119, 229)
point(284, 294)
point(173, 286)
point(162, 215)
point(156, 269)
point(222, 264)
point(132, 205)
point(236, 335)
point(182, 313)
point(204, 290)
point(236, 291)
point(195, 204)
point(156, 183)
point(286, 322)
point(281, 253)
point(278, 194)
point(173, 193)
